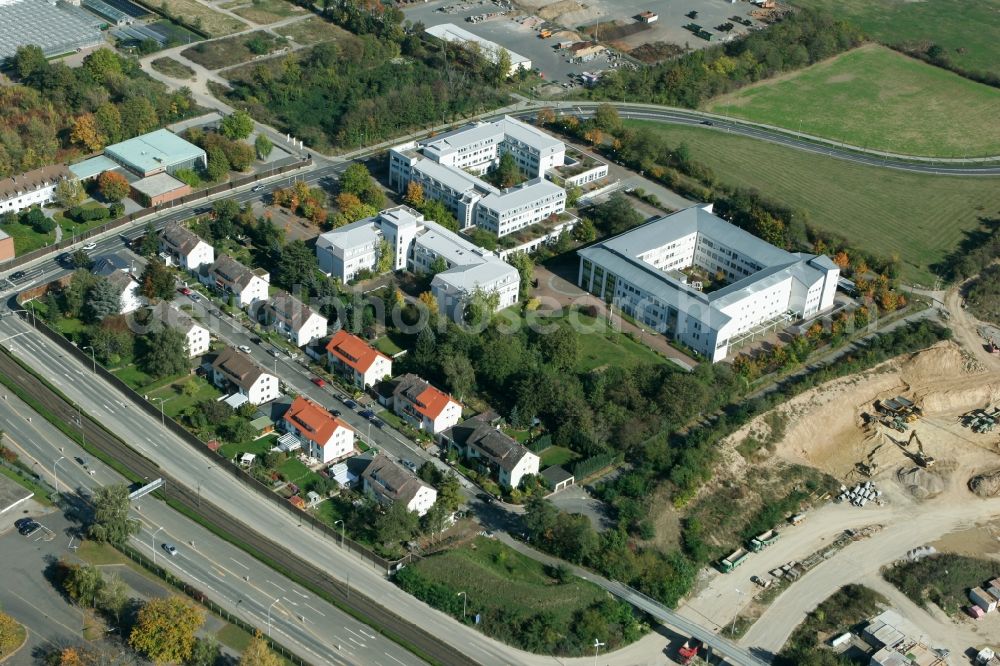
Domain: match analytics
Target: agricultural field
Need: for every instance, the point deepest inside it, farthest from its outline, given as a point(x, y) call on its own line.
point(960, 27)
point(172, 68)
point(201, 17)
point(919, 217)
point(312, 31)
point(233, 50)
point(874, 97)
point(263, 12)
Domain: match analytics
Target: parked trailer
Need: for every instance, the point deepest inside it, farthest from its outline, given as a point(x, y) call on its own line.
point(797, 518)
point(689, 650)
point(735, 559)
point(762, 541)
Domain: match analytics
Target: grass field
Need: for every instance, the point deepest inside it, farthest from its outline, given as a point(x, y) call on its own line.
point(263, 12)
point(604, 346)
point(174, 399)
point(202, 17)
point(955, 25)
point(312, 31)
point(557, 455)
point(173, 68)
point(231, 51)
point(874, 97)
point(26, 238)
point(257, 447)
point(917, 216)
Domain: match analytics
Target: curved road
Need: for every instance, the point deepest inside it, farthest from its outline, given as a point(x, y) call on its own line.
point(682, 117)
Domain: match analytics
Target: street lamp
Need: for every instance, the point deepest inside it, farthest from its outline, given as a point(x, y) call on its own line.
point(342, 529)
point(54, 475)
point(31, 312)
point(79, 422)
point(465, 599)
point(163, 420)
point(269, 617)
point(597, 646)
point(152, 542)
point(93, 358)
point(732, 629)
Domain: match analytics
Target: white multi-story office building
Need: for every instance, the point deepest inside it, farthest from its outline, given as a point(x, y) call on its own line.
point(639, 272)
point(416, 245)
point(444, 168)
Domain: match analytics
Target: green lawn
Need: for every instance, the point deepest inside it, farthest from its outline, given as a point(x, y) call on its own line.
point(296, 472)
point(41, 493)
point(874, 97)
point(71, 227)
point(387, 346)
point(27, 239)
point(263, 12)
point(232, 50)
point(557, 455)
point(176, 401)
point(961, 27)
point(173, 68)
point(257, 446)
point(919, 217)
point(600, 346)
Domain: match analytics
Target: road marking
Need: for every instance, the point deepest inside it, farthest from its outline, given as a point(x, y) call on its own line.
point(276, 585)
point(314, 610)
point(241, 564)
point(152, 442)
point(354, 640)
point(290, 601)
point(367, 634)
point(304, 596)
point(394, 659)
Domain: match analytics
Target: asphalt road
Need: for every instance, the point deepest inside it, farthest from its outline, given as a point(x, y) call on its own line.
point(305, 623)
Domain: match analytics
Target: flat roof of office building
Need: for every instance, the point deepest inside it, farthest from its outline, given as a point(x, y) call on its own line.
point(94, 166)
point(158, 184)
point(154, 151)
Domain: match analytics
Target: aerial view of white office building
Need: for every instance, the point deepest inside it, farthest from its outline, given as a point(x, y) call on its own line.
point(444, 165)
point(416, 244)
point(650, 274)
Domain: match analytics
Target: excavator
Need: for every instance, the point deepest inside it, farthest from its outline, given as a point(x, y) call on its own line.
point(918, 456)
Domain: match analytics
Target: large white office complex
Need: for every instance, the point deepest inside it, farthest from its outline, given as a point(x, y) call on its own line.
point(416, 245)
point(640, 272)
point(447, 166)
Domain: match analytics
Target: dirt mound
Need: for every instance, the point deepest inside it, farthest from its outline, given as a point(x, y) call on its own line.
point(920, 482)
point(553, 11)
point(986, 484)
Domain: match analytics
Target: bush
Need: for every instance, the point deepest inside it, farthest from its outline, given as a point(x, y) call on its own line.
point(89, 214)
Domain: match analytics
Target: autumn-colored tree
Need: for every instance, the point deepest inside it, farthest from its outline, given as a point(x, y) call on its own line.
point(71, 657)
point(415, 193)
point(87, 133)
point(546, 116)
point(165, 629)
point(888, 300)
point(257, 653)
point(571, 122)
point(281, 196)
point(842, 260)
point(113, 185)
point(430, 302)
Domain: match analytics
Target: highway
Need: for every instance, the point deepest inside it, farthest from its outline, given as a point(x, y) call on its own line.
point(305, 623)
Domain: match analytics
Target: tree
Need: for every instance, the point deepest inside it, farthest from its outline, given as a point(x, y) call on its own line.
point(429, 301)
point(218, 164)
point(83, 584)
point(237, 125)
point(560, 348)
point(257, 653)
point(358, 181)
point(103, 300)
point(109, 121)
point(502, 67)
point(262, 146)
point(414, 194)
point(86, 132)
point(450, 492)
point(113, 186)
point(525, 266)
point(606, 118)
point(616, 214)
point(150, 244)
point(165, 353)
point(396, 524)
point(103, 64)
point(138, 116)
point(438, 212)
point(165, 629)
point(436, 518)
point(296, 265)
point(584, 231)
point(156, 281)
point(240, 156)
point(111, 522)
point(206, 652)
point(80, 259)
point(239, 430)
point(113, 596)
point(507, 173)
point(30, 61)
point(459, 374)
point(439, 265)
point(112, 343)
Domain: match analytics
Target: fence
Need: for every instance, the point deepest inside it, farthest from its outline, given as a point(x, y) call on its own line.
point(540, 444)
point(588, 466)
point(200, 597)
point(248, 481)
point(132, 217)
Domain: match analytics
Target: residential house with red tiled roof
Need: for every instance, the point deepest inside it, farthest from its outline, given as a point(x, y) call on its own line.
point(323, 435)
point(424, 406)
point(355, 359)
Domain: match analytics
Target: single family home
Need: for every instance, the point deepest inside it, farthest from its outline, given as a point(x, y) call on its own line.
point(352, 357)
point(234, 370)
point(127, 290)
point(185, 248)
point(197, 339)
point(391, 483)
point(293, 319)
point(323, 435)
point(424, 406)
point(228, 276)
point(507, 461)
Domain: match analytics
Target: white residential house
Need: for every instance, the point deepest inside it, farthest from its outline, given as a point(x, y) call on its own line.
point(294, 319)
point(352, 357)
point(185, 248)
point(33, 188)
point(424, 406)
point(236, 371)
point(390, 483)
point(197, 339)
point(506, 460)
point(323, 435)
point(228, 276)
point(128, 291)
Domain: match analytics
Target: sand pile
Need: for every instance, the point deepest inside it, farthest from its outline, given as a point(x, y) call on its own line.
point(920, 483)
point(986, 484)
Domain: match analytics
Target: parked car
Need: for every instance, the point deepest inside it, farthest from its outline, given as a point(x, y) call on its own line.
point(29, 529)
point(485, 498)
point(378, 423)
point(273, 352)
point(194, 296)
point(244, 349)
point(185, 291)
point(367, 413)
point(16, 275)
point(89, 246)
point(171, 549)
point(410, 465)
point(21, 522)
point(319, 381)
point(255, 340)
point(257, 188)
point(80, 461)
point(336, 412)
point(350, 404)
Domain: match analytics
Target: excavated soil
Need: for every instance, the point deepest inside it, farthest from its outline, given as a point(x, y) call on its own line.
point(986, 484)
point(920, 482)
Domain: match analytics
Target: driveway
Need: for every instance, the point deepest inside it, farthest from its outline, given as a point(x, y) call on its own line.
point(577, 499)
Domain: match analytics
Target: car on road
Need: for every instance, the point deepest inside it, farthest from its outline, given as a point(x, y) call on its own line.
point(367, 413)
point(485, 498)
point(171, 549)
point(257, 188)
point(378, 423)
point(89, 246)
point(21, 522)
point(350, 404)
point(707, 122)
point(194, 296)
point(29, 529)
point(410, 465)
point(201, 210)
point(244, 349)
point(80, 461)
point(274, 352)
point(184, 290)
point(16, 275)
point(319, 381)
point(336, 412)
point(255, 340)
